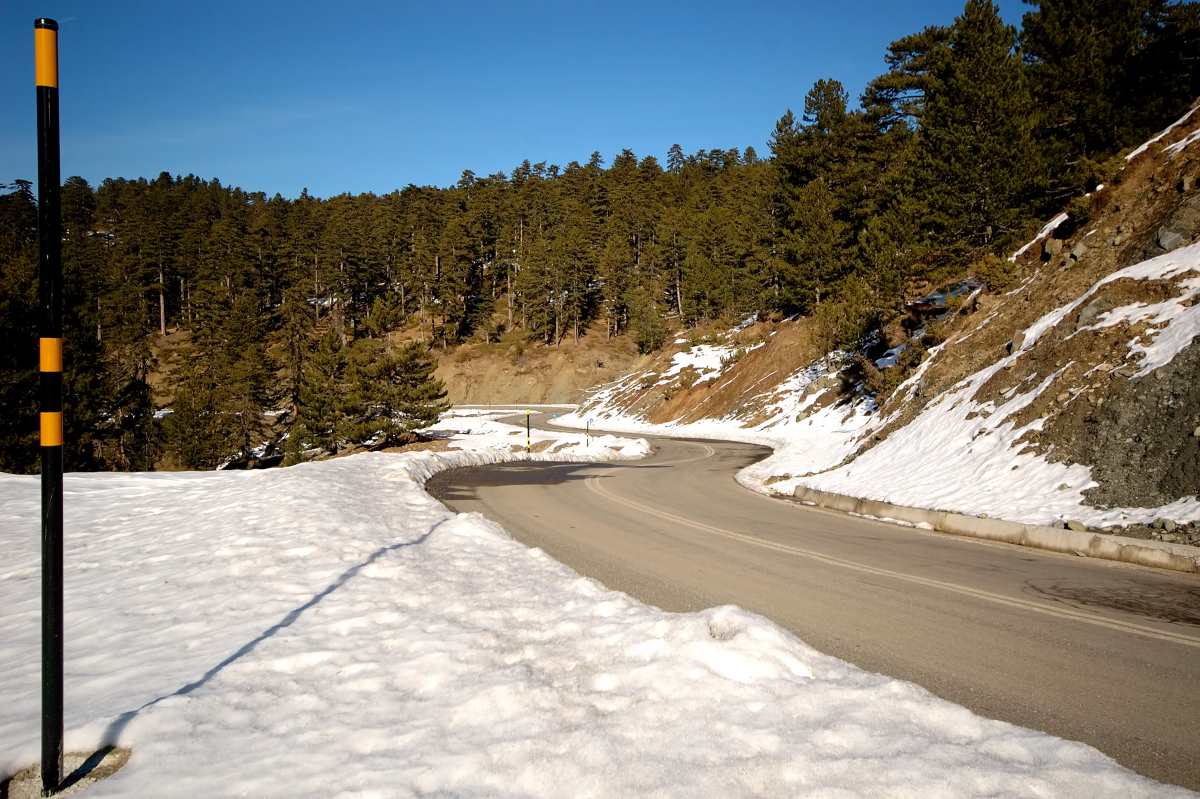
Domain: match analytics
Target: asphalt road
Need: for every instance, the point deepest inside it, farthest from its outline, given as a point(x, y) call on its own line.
point(1088, 650)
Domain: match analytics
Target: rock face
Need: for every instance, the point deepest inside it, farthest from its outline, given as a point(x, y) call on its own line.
point(1052, 247)
point(1180, 227)
point(1142, 441)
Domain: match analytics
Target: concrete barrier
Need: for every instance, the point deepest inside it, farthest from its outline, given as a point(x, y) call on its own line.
point(1157, 554)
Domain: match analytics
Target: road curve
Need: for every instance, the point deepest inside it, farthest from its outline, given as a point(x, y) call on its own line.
point(1089, 650)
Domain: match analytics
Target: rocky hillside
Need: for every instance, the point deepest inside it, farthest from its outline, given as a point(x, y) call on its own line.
point(1066, 391)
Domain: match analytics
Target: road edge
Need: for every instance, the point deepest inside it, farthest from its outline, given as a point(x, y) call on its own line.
point(1156, 554)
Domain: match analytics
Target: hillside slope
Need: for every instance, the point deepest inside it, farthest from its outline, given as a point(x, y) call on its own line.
point(1071, 396)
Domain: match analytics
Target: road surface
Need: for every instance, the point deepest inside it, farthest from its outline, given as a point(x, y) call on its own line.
point(1088, 650)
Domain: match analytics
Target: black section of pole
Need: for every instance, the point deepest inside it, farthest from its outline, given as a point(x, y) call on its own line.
point(50, 358)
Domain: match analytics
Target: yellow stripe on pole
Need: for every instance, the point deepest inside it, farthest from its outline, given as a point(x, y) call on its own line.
point(52, 429)
point(45, 49)
point(50, 354)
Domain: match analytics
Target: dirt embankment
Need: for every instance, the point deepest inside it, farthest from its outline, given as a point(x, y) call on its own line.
point(516, 371)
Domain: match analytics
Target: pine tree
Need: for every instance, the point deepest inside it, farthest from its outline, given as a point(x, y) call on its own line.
point(394, 393)
point(1106, 72)
point(321, 418)
point(977, 156)
point(18, 323)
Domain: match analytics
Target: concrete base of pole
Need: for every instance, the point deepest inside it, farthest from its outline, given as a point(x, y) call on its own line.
point(81, 769)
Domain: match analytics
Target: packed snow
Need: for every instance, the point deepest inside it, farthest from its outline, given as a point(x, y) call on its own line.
point(708, 361)
point(1141, 148)
point(1046, 230)
point(330, 629)
point(957, 454)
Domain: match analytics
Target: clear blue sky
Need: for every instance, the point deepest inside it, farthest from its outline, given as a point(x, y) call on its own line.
point(279, 95)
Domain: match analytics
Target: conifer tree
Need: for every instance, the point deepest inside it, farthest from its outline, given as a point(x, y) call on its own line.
point(977, 160)
point(394, 393)
point(321, 419)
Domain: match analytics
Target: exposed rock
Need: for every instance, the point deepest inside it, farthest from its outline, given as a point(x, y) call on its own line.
point(1078, 251)
point(1139, 458)
point(1052, 247)
point(1090, 311)
point(1169, 239)
point(1063, 397)
point(1187, 183)
point(1167, 525)
point(1073, 524)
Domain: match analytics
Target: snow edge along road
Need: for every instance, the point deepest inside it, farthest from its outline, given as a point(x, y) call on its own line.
point(1102, 546)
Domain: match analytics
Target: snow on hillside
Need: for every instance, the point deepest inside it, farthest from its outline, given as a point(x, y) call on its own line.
point(331, 630)
point(958, 453)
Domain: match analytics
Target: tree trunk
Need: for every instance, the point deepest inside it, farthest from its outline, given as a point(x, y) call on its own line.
point(162, 303)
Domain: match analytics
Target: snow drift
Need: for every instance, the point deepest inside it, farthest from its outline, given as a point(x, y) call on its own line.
point(331, 630)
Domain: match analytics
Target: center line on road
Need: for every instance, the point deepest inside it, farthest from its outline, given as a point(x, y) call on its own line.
point(594, 484)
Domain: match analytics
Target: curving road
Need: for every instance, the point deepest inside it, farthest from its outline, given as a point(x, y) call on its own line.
point(1087, 650)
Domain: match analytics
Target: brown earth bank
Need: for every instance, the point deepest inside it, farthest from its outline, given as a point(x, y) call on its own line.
point(516, 371)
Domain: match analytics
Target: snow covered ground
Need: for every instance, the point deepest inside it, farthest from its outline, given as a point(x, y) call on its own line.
point(958, 453)
point(331, 630)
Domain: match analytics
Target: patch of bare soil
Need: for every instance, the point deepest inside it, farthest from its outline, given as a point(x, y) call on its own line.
point(82, 770)
point(517, 371)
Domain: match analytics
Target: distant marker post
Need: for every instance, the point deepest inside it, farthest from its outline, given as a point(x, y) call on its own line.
point(50, 366)
point(528, 449)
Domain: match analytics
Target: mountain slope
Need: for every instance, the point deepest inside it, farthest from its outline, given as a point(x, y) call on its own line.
point(1069, 396)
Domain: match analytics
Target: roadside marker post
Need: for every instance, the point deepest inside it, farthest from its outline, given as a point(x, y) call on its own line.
point(528, 450)
point(50, 365)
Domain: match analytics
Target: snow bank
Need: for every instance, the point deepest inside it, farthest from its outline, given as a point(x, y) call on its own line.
point(332, 630)
point(957, 454)
point(788, 424)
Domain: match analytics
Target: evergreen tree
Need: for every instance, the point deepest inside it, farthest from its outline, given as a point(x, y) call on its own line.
point(321, 420)
point(1107, 72)
point(394, 393)
point(978, 163)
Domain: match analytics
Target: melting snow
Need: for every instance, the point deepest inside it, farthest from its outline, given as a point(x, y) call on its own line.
point(1145, 146)
point(1046, 230)
point(331, 630)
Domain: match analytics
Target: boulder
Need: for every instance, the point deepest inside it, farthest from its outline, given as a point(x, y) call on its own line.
point(1089, 312)
point(1169, 239)
point(1078, 251)
point(1073, 524)
point(1052, 247)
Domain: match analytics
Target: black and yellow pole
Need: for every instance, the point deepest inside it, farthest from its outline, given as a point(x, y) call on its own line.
point(50, 345)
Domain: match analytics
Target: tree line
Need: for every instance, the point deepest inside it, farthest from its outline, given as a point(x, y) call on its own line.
point(975, 130)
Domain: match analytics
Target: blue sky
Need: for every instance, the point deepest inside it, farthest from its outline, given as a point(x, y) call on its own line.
point(277, 96)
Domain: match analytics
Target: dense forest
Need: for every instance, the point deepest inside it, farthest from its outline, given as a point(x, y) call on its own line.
point(976, 130)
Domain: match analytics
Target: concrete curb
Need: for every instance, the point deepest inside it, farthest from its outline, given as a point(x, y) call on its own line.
point(1158, 554)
